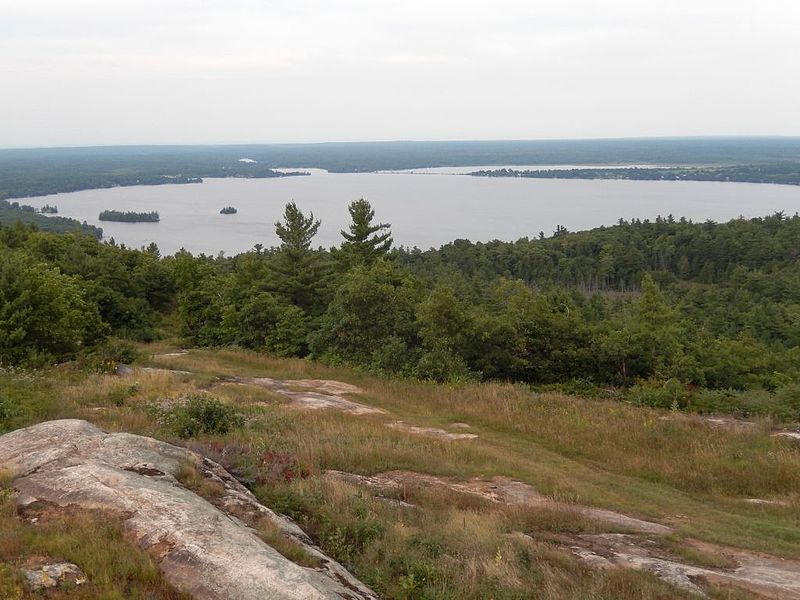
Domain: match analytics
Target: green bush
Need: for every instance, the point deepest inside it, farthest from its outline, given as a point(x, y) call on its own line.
point(441, 364)
point(667, 394)
point(205, 414)
point(7, 411)
point(114, 351)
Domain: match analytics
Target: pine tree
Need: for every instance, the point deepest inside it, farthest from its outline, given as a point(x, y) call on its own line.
point(297, 230)
point(300, 275)
point(365, 242)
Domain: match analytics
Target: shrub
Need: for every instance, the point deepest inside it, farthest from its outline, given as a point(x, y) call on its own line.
point(441, 364)
point(7, 412)
point(109, 354)
point(205, 414)
point(280, 466)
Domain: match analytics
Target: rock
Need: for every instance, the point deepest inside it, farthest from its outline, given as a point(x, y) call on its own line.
point(321, 394)
point(206, 550)
point(431, 431)
point(792, 435)
point(159, 370)
point(500, 490)
point(763, 575)
point(122, 370)
point(53, 575)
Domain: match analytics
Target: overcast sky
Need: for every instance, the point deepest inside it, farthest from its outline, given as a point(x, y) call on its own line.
point(82, 72)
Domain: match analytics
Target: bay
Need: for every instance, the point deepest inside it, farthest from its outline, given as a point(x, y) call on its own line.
point(425, 209)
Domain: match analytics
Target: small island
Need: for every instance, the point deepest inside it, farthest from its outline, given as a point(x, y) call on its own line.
point(228, 210)
point(49, 210)
point(129, 216)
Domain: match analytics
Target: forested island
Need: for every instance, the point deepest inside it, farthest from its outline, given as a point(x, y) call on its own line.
point(787, 173)
point(129, 216)
point(228, 210)
point(49, 210)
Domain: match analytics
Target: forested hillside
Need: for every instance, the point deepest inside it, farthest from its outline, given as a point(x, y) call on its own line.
point(702, 316)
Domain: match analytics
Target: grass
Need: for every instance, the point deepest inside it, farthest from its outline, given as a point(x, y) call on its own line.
point(598, 452)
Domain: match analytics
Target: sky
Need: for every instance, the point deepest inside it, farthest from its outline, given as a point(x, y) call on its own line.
point(89, 72)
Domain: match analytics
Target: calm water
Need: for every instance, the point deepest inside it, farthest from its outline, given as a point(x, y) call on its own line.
point(425, 210)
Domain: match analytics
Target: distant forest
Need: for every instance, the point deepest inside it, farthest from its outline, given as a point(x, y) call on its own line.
point(36, 172)
point(787, 173)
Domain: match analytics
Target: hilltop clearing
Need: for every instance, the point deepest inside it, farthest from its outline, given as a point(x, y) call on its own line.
point(554, 497)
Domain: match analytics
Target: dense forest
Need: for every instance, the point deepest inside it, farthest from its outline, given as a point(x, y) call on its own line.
point(787, 173)
point(668, 312)
point(36, 172)
point(129, 216)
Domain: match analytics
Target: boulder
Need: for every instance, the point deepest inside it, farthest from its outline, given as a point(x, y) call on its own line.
point(205, 549)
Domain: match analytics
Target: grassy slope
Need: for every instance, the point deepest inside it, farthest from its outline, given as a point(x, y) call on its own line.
point(594, 452)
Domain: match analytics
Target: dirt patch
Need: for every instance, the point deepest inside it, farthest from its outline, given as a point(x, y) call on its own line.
point(760, 574)
point(171, 354)
point(430, 431)
point(500, 490)
point(320, 394)
point(792, 435)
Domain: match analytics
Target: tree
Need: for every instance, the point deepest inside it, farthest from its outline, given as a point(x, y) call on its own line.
point(365, 242)
point(297, 230)
point(299, 274)
point(44, 315)
point(374, 306)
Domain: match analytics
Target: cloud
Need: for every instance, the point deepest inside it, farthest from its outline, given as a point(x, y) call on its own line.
point(357, 69)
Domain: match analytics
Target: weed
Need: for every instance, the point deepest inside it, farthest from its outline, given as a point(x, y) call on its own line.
point(204, 414)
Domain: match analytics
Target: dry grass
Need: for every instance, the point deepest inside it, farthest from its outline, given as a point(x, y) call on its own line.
point(600, 453)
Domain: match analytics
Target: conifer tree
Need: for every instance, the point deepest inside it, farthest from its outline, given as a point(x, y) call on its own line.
point(301, 274)
point(365, 242)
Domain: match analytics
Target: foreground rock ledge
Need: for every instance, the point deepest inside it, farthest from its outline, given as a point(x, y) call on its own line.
point(208, 551)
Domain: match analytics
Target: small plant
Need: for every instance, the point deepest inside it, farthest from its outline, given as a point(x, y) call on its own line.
point(107, 356)
point(192, 479)
point(281, 466)
point(274, 537)
point(10, 584)
point(205, 414)
point(6, 412)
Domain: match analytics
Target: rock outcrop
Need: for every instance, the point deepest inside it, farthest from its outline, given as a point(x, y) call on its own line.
point(205, 549)
point(313, 394)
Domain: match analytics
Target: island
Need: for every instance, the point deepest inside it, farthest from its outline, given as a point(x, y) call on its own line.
point(49, 210)
point(228, 210)
point(786, 173)
point(129, 216)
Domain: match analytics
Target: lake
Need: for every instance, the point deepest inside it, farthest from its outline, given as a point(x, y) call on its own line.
point(425, 209)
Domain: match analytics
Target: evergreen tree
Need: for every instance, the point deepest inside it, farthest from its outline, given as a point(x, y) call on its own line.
point(297, 230)
point(299, 274)
point(365, 242)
